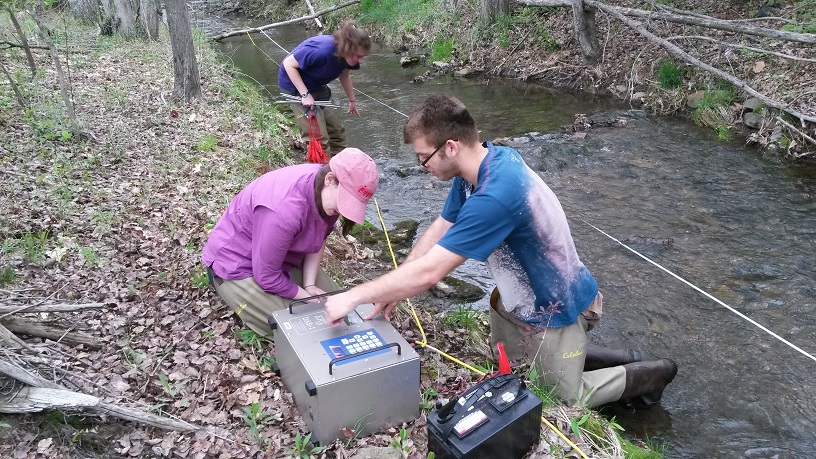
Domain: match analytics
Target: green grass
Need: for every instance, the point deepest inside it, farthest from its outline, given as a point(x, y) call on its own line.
point(473, 321)
point(33, 245)
point(200, 279)
point(207, 142)
point(398, 16)
point(669, 74)
point(723, 132)
point(7, 277)
point(89, 255)
point(441, 49)
point(653, 450)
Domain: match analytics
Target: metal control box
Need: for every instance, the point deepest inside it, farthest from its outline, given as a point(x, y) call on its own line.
point(360, 375)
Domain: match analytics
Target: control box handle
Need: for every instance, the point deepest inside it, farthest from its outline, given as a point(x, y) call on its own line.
point(368, 351)
point(308, 299)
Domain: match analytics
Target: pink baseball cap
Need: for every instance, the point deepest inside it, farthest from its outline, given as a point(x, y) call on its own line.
point(358, 179)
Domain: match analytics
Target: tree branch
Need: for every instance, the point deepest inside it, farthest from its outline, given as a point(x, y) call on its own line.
point(686, 18)
point(278, 24)
point(749, 48)
point(676, 51)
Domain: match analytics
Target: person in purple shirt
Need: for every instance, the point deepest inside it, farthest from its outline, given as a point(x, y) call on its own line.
point(311, 66)
point(267, 247)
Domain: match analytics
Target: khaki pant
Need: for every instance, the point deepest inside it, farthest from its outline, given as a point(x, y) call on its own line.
point(332, 133)
point(254, 306)
point(558, 354)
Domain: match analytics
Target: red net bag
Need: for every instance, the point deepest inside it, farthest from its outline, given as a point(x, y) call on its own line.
point(315, 153)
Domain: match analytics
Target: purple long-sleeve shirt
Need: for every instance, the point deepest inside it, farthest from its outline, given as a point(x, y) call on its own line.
point(269, 227)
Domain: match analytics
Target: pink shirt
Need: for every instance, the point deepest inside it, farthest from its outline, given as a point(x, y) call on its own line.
point(268, 228)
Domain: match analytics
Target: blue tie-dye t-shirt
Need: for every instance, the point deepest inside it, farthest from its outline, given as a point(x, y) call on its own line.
point(514, 222)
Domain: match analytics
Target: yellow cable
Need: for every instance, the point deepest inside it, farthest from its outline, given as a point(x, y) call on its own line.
point(424, 342)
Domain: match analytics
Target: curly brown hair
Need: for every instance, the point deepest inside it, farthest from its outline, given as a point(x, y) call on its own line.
point(349, 37)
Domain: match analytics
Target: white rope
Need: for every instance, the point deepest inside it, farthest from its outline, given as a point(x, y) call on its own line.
point(379, 102)
point(761, 327)
point(273, 41)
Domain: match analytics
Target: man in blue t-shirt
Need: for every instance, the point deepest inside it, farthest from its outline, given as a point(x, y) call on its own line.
point(499, 211)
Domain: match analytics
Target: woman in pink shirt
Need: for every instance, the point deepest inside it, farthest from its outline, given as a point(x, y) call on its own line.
point(267, 247)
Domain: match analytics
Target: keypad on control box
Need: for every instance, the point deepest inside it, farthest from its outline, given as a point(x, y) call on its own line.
point(361, 342)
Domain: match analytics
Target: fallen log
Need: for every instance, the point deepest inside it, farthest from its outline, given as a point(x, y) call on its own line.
point(61, 307)
point(63, 335)
point(42, 394)
point(278, 24)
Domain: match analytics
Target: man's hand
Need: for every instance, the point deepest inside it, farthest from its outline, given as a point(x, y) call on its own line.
point(337, 307)
point(386, 308)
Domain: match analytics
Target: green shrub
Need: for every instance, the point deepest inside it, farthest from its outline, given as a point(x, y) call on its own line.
point(669, 74)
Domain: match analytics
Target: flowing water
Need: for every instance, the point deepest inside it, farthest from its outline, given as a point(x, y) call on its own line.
point(737, 224)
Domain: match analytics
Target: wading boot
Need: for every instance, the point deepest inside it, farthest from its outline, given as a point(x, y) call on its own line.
point(645, 381)
point(598, 357)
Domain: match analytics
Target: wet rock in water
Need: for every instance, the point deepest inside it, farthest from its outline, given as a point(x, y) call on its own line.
point(401, 236)
point(441, 67)
point(468, 72)
point(422, 78)
point(649, 246)
point(457, 290)
point(409, 61)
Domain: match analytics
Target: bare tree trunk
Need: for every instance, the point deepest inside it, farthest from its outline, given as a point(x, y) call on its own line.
point(24, 42)
point(585, 31)
point(186, 80)
point(69, 105)
point(492, 9)
point(119, 18)
point(20, 98)
point(85, 10)
point(149, 14)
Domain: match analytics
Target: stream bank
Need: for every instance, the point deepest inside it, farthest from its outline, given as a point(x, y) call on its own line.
point(537, 44)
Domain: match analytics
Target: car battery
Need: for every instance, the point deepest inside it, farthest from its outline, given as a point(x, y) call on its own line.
point(360, 376)
point(498, 417)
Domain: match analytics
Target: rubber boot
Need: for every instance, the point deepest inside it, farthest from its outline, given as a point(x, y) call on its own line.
point(645, 381)
point(598, 357)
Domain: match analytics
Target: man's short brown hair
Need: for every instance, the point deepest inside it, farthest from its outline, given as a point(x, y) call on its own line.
point(439, 118)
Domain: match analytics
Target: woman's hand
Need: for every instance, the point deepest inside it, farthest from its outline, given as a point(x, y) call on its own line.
point(314, 290)
point(352, 108)
point(307, 101)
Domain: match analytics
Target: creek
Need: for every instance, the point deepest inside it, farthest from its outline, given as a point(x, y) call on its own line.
point(736, 223)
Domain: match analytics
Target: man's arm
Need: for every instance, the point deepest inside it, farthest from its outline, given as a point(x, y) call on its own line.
point(411, 278)
point(429, 238)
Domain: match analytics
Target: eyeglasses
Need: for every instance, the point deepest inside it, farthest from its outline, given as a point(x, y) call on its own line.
point(424, 162)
